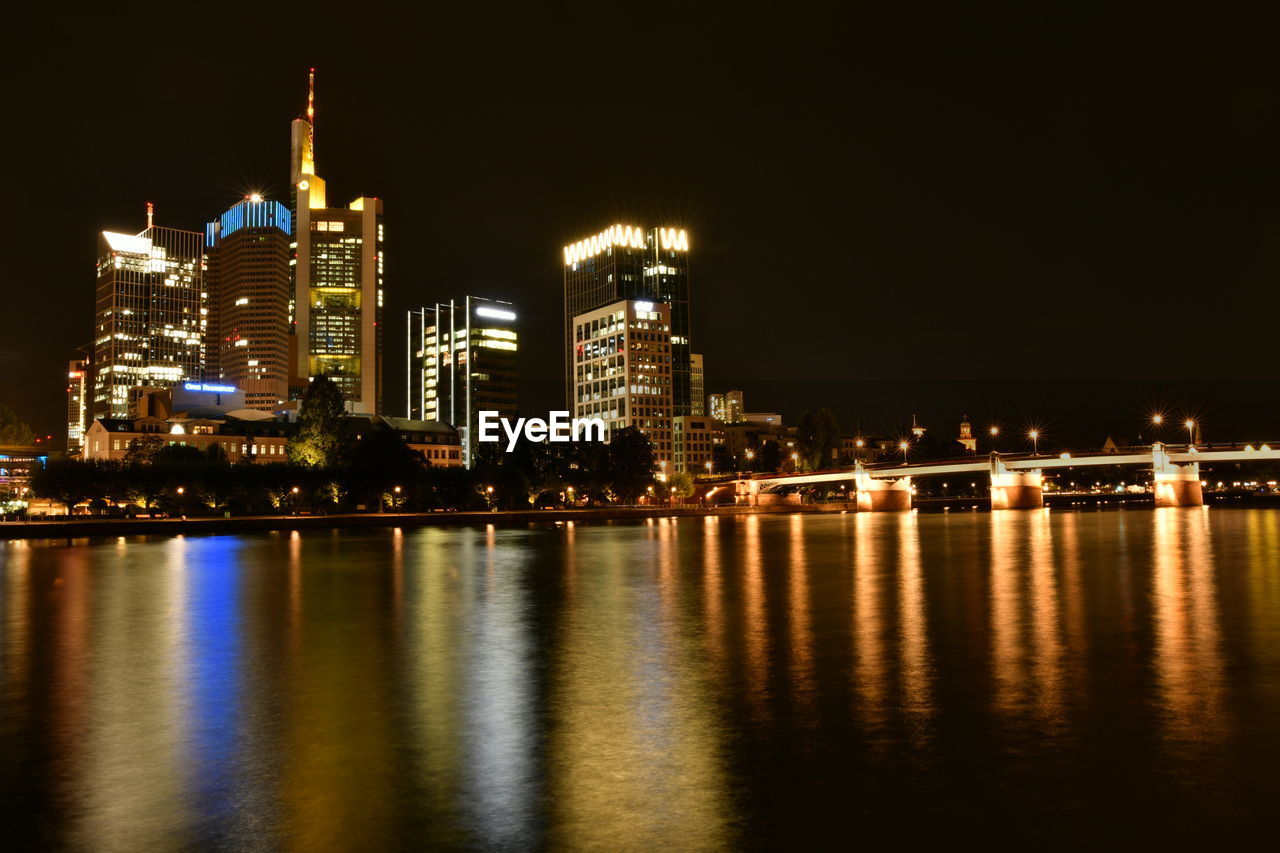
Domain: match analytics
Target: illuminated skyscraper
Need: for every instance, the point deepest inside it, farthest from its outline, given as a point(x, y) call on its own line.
point(337, 280)
point(462, 360)
point(622, 370)
point(77, 403)
point(728, 408)
point(150, 316)
point(697, 386)
point(623, 262)
point(248, 285)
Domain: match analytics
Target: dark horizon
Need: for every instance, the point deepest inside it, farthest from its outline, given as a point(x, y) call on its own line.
point(913, 217)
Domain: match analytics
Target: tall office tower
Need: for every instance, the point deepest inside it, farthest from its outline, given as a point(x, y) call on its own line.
point(622, 370)
point(248, 286)
point(623, 262)
point(697, 386)
point(728, 408)
point(77, 403)
point(462, 361)
point(337, 280)
point(151, 313)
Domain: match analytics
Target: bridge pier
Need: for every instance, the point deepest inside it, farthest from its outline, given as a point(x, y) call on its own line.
point(1175, 485)
point(884, 495)
point(1015, 489)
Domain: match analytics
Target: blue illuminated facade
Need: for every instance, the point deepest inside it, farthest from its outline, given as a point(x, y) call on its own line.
point(249, 213)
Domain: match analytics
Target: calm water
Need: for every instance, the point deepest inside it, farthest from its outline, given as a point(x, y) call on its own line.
point(1023, 678)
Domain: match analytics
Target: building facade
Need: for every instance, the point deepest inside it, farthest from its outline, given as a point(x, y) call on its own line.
point(462, 360)
point(77, 403)
point(623, 372)
point(151, 313)
point(728, 407)
point(628, 263)
point(697, 386)
point(249, 289)
point(693, 441)
point(337, 281)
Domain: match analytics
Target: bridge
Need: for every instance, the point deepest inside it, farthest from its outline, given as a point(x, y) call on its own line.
point(1017, 482)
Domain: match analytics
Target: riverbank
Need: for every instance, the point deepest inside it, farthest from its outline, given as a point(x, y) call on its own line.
point(77, 528)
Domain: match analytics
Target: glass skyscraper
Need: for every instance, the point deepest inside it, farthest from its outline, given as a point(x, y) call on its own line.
point(623, 262)
point(462, 358)
point(151, 314)
point(248, 285)
point(338, 280)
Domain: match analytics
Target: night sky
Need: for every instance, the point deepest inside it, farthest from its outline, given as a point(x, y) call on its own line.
point(1065, 218)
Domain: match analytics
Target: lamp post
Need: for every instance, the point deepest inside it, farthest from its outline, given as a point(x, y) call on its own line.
point(995, 431)
point(904, 446)
point(396, 499)
point(1034, 435)
point(1191, 433)
point(182, 502)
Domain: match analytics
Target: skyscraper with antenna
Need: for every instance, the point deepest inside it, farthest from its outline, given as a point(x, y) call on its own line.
point(336, 312)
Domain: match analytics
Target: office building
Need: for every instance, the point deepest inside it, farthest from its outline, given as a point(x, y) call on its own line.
point(697, 386)
point(727, 408)
point(338, 280)
point(462, 358)
point(77, 403)
point(627, 263)
point(622, 370)
point(248, 285)
point(151, 313)
point(693, 441)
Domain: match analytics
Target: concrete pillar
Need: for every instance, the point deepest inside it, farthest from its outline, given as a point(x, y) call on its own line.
point(747, 493)
point(1015, 489)
point(1175, 485)
point(883, 495)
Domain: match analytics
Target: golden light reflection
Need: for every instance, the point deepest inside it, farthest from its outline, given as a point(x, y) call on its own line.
point(756, 627)
point(634, 749)
point(713, 590)
point(1187, 654)
point(917, 665)
point(803, 679)
point(869, 663)
point(1007, 641)
point(1046, 619)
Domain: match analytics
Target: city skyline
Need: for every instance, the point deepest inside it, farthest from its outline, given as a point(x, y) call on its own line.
point(942, 234)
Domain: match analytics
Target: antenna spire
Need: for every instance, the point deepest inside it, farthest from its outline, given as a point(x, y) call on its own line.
point(151, 214)
point(311, 96)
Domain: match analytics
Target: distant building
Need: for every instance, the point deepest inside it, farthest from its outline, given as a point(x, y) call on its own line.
point(697, 386)
point(77, 403)
point(966, 435)
point(240, 440)
point(727, 408)
point(438, 443)
point(771, 418)
point(150, 320)
point(462, 360)
point(628, 263)
point(622, 370)
point(17, 464)
point(338, 280)
point(693, 439)
point(248, 284)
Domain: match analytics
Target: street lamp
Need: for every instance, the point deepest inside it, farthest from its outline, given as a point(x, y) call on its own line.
point(995, 431)
point(709, 466)
point(1191, 432)
point(397, 497)
point(904, 446)
point(1034, 435)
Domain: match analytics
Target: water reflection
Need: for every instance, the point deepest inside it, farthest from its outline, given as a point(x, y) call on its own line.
point(689, 684)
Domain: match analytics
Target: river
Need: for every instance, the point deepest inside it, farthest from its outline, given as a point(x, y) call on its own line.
point(762, 681)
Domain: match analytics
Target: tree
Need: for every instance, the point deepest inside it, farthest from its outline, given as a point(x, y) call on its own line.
point(680, 484)
point(319, 438)
point(14, 431)
point(141, 451)
point(817, 438)
point(67, 481)
point(631, 466)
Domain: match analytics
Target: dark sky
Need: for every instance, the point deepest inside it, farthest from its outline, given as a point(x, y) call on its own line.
point(1005, 200)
